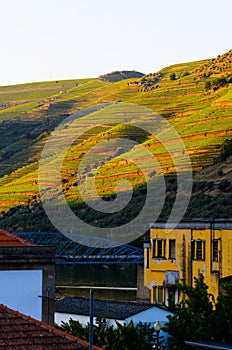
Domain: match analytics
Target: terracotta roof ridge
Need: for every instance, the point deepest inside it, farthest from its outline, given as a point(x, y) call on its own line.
point(46, 326)
point(16, 238)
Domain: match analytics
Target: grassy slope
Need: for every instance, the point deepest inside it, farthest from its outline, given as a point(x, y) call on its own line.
point(30, 111)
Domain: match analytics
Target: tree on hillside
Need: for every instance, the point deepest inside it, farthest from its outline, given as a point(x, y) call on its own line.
point(227, 150)
point(208, 85)
point(218, 83)
point(172, 76)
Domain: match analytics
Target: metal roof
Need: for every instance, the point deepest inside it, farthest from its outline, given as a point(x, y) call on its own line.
point(216, 346)
point(197, 224)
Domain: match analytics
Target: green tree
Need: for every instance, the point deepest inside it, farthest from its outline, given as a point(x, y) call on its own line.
point(130, 337)
point(75, 328)
point(126, 336)
point(208, 85)
point(193, 317)
point(223, 316)
point(172, 76)
point(227, 151)
point(218, 82)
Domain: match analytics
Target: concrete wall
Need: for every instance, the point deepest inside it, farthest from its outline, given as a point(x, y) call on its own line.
point(27, 286)
point(83, 319)
point(34, 258)
point(143, 293)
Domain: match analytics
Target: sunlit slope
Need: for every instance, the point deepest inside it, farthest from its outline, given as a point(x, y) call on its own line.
point(29, 113)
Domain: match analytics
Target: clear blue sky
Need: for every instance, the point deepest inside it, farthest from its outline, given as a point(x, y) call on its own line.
point(62, 39)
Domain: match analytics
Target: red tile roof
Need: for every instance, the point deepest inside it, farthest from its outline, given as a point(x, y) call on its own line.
point(21, 332)
point(8, 239)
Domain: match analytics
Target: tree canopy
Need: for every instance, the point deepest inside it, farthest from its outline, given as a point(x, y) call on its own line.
point(199, 317)
point(126, 336)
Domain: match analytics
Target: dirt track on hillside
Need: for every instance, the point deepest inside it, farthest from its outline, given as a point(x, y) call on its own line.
point(53, 87)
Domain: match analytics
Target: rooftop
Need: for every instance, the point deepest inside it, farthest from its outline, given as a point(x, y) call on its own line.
point(118, 310)
point(8, 239)
point(216, 346)
point(198, 224)
point(21, 332)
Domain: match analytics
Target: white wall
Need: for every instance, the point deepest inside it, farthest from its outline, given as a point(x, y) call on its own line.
point(59, 317)
point(20, 290)
point(150, 316)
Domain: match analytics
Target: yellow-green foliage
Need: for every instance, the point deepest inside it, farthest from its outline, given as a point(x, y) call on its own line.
point(202, 119)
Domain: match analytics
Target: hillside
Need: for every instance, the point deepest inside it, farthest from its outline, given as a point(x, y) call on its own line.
point(195, 97)
point(120, 75)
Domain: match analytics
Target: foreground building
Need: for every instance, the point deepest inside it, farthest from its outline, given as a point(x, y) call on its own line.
point(21, 332)
point(184, 251)
point(113, 311)
point(27, 275)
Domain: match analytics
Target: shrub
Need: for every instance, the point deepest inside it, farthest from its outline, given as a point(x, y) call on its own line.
point(172, 76)
point(224, 186)
point(208, 85)
point(184, 74)
point(126, 336)
point(227, 151)
point(218, 82)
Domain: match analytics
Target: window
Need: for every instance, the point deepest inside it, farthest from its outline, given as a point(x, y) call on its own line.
point(215, 249)
point(158, 295)
point(159, 248)
point(171, 296)
point(154, 295)
point(171, 277)
point(198, 249)
point(199, 255)
point(147, 258)
point(193, 254)
point(153, 248)
point(172, 249)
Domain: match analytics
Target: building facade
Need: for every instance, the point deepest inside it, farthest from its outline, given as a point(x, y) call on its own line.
point(184, 251)
point(27, 275)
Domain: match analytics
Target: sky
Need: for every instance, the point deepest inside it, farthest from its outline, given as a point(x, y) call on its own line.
point(69, 39)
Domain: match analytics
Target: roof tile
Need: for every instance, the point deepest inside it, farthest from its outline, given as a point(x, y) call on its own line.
point(22, 332)
point(8, 239)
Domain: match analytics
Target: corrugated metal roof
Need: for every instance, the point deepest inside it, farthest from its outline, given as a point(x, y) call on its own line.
point(21, 332)
point(7, 239)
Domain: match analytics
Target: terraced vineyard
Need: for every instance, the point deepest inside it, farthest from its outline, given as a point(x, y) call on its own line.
point(195, 97)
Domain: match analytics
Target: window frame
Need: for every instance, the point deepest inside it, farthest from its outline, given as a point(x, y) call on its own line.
point(198, 249)
point(158, 295)
point(215, 244)
point(158, 248)
point(147, 260)
point(171, 248)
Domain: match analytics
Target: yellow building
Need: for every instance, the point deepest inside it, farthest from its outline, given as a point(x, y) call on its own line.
point(184, 251)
